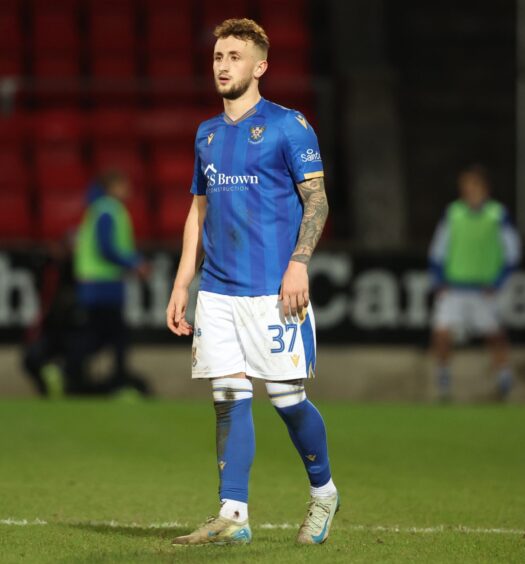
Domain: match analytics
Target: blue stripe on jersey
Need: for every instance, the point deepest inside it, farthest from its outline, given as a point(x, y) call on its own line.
point(278, 253)
point(231, 231)
point(257, 253)
point(213, 240)
point(249, 171)
point(307, 334)
point(244, 220)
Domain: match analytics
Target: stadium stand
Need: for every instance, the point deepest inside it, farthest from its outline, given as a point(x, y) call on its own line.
point(119, 83)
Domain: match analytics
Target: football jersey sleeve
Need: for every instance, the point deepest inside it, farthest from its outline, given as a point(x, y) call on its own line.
point(198, 185)
point(301, 148)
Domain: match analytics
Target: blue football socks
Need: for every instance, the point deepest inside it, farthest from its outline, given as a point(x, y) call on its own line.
point(305, 426)
point(235, 436)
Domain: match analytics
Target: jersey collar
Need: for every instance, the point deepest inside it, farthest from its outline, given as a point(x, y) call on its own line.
point(246, 115)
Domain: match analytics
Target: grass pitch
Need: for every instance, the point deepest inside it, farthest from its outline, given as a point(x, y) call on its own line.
point(111, 482)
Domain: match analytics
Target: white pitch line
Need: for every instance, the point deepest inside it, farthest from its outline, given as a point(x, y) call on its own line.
point(272, 526)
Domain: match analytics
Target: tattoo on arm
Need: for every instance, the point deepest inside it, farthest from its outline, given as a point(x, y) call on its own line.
point(314, 217)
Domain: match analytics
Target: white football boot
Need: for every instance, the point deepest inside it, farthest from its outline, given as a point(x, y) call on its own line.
point(218, 530)
point(318, 520)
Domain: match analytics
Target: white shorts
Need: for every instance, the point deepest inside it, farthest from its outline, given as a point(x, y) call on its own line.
point(249, 334)
point(467, 312)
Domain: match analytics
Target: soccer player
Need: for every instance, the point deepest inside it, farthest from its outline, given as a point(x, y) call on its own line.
point(258, 211)
point(474, 249)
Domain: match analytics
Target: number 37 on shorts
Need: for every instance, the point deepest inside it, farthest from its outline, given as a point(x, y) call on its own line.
point(250, 334)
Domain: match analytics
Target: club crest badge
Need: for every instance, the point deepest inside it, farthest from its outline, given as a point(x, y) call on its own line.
point(256, 134)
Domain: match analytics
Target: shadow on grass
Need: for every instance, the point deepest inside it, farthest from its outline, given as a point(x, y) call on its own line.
point(135, 531)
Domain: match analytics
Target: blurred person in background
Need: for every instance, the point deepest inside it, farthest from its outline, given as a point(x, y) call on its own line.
point(104, 255)
point(474, 250)
point(48, 341)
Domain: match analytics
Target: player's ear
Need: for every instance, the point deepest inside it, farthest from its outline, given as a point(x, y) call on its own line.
point(260, 68)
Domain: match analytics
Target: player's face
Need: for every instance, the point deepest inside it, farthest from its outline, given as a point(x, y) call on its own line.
point(473, 189)
point(234, 66)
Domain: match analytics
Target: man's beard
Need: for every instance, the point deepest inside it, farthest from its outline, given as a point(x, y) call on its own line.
point(235, 91)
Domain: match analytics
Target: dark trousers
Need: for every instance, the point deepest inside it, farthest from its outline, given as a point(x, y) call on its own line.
point(103, 328)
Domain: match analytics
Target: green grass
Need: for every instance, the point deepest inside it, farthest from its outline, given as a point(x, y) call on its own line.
point(76, 463)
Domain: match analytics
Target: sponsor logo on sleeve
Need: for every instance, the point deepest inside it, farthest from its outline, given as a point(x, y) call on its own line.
point(311, 156)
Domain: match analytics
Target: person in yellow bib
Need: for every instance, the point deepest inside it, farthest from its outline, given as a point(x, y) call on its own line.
point(473, 251)
point(104, 254)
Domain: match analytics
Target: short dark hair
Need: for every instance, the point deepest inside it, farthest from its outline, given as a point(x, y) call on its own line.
point(245, 29)
point(111, 176)
point(479, 170)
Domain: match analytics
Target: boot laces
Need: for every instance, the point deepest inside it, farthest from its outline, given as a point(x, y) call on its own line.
point(315, 520)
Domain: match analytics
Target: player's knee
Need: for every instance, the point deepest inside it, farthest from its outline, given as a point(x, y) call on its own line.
point(231, 389)
point(286, 394)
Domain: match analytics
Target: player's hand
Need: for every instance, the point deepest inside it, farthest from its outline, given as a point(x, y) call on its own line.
point(294, 289)
point(176, 312)
point(143, 270)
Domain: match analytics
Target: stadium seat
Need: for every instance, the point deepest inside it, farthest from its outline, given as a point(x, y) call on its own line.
point(15, 216)
point(60, 214)
point(171, 168)
point(110, 67)
point(213, 13)
point(58, 126)
point(10, 34)
point(112, 29)
point(11, 64)
point(112, 124)
point(61, 175)
point(12, 129)
point(56, 31)
point(169, 31)
point(13, 175)
point(64, 65)
point(173, 66)
point(139, 210)
point(126, 159)
point(172, 80)
point(170, 124)
point(172, 210)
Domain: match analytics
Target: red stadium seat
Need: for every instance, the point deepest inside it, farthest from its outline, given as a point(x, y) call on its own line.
point(109, 66)
point(128, 160)
point(172, 210)
point(214, 13)
point(13, 175)
point(172, 79)
point(12, 129)
point(172, 168)
point(173, 66)
point(60, 214)
point(169, 31)
point(112, 124)
point(58, 126)
point(56, 31)
point(15, 217)
point(45, 6)
point(11, 64)
point(139, 210)
point(61, 175)
point(170, 125)
point(10, 35)
point(56, 65)
point(112, 30)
